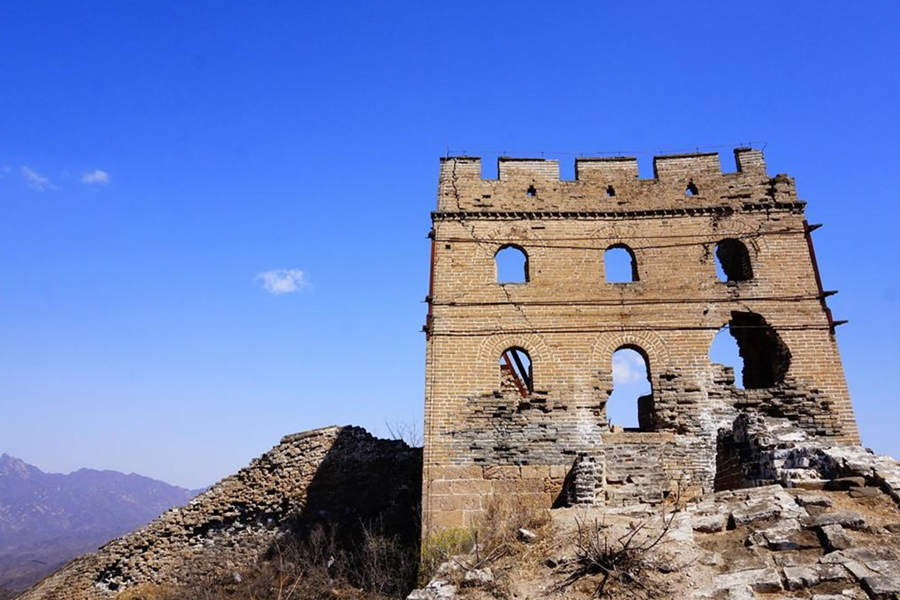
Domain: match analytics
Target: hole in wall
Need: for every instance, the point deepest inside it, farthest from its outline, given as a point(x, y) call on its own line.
point(631, 399)
point(619, 264)
point(515, 371)
point(733, 261)
point(724, 351)
point(610, 191)
point(763, 357)
point(531, 191)
point(512, 265)
point(691, 189)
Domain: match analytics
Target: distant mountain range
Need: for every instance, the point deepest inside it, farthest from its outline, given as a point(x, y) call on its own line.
point(46, 519)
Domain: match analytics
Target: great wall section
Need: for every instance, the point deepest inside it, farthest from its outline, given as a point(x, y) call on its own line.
point(770, 493)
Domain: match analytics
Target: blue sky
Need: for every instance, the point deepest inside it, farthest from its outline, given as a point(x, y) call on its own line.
point(156, 158)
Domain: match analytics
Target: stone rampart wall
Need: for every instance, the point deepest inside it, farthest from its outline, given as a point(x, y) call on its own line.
point(335, 475)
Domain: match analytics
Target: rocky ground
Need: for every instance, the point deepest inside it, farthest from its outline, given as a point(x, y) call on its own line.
point(768, 542)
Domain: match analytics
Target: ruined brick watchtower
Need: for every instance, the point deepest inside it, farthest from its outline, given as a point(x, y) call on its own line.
point(518, 374)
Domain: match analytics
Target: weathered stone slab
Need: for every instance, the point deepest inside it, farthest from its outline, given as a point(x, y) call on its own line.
point(436, 589)
point(834, 538)
point(882, 586)
point(709, 523)
point(810, 575)
point(760, 511)
point(845, 518)
point(759, 580)
point(807, 499)
point(864, 492)
point(797, 578)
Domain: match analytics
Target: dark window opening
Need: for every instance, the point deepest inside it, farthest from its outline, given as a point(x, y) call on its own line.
point(766, 358)
point(531, 191)
point(733, 261)
point(515, 371)
point(630, 404)
point(512, 265)
point(691, 189)
point(610, 191)
point(619, 264)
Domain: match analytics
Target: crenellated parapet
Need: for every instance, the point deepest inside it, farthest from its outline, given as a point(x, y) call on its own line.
point(680, 181)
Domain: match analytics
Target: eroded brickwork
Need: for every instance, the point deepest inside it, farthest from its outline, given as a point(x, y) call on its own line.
point(484, 437)
point(335, 476)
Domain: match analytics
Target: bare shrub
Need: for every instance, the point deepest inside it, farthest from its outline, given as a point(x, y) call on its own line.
point(621, 562)
point(409, 433)
point(385, 565)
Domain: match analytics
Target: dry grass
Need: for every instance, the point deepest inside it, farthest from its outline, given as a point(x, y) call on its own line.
point(440, 546)
point(497, 531)
point(318, 567)
point(492, 543)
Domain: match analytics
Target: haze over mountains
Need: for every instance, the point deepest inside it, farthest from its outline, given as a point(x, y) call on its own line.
point(47, 519)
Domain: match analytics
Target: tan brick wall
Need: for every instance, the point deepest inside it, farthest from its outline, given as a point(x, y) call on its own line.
point(570, 320)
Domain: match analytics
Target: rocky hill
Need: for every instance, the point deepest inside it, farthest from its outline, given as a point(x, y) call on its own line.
point(47, 519)
point(767, 542)
point(801, 519)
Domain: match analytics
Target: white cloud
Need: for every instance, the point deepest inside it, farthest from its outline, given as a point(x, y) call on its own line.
point(37, 181)
point(95, 177)
point(282, 281)
point(628, 367)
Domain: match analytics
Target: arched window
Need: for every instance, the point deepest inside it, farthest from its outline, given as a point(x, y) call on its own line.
point(733, 261)
point(610, 191)
point(762, 360)
point(631, 402)
point(512, 264)
point(619, 264)
point(691, 189)
point(515, 371)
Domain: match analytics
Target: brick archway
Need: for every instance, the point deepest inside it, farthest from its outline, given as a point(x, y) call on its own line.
point(605, 345)
point(493, 346)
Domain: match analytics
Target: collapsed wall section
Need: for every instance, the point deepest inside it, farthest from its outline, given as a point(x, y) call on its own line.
point(336, 476)
point(760, 450)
